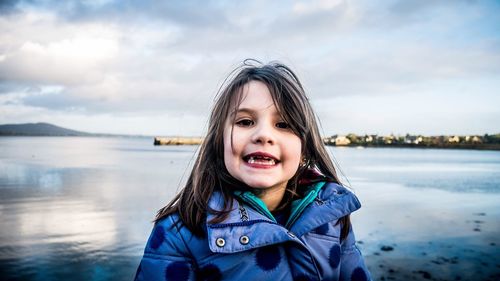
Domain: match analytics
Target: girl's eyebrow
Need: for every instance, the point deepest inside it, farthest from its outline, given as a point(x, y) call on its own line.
point(242, 110)
point(247, 110)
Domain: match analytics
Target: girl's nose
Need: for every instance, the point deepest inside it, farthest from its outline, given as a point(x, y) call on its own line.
point(263, 134)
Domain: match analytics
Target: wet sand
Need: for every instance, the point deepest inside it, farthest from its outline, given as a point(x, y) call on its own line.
point(428, 234)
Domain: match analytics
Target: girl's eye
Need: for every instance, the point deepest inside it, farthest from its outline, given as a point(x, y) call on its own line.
point(282, 125)
point(244, 122)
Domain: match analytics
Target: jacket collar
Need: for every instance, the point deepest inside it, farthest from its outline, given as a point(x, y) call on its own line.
point(242, 220)
point(297, 206)
point(329, 202)
point(332, 203)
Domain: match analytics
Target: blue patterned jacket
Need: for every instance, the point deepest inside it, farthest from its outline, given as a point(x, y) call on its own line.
point(251, 245)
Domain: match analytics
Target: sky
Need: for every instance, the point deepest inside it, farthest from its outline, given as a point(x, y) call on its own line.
point(154, 67)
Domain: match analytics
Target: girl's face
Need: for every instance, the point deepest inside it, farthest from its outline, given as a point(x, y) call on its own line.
point(264, 152)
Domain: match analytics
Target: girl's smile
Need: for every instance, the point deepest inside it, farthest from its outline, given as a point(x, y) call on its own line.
point(259, 147)
point(261, 160)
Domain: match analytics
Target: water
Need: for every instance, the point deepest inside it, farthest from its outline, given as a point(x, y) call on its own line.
point(446, 169)
point(80, 208)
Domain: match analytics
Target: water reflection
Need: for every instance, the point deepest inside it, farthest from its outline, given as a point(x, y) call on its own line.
point(66, 221)
point(81, 208)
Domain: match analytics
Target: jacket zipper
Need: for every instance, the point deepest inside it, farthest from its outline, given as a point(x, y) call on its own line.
point(252, 201)
point(319, 201)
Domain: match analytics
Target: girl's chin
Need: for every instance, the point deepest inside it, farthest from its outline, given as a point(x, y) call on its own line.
point(261, 185)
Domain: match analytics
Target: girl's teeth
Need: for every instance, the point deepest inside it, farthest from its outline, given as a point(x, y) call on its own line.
point(269, 162)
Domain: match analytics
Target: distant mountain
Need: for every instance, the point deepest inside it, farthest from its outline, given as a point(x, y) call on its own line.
point(38, 129)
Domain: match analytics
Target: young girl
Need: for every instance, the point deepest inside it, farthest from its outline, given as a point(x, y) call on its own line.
point(263, 201)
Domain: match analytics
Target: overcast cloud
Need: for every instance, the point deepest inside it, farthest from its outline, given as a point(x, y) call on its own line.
point(153, 67)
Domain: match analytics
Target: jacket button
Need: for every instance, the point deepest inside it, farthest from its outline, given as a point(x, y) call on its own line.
point(220, 242)
point(244, 240)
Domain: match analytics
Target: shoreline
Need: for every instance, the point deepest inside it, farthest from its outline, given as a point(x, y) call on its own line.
point(493, 147)
point(197, 141)
point(190, 141)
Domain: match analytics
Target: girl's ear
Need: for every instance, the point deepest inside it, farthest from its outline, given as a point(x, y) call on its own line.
point(303, 161)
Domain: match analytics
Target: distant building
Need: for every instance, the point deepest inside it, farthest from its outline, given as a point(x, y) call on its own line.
point(454, 139)
point(476, 139)
point(389, 139)
point(329, 141)
point(411, 139)
point(342, 140)
point(473, 139)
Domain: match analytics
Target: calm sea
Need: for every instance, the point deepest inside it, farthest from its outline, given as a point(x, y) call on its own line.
point(80, 208)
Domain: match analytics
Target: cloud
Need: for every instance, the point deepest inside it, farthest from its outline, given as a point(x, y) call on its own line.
point(185, 13)
point(97, 72)
point(8, 6)
point(144, 58)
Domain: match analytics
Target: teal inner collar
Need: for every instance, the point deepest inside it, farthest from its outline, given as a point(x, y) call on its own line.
point(297, 206)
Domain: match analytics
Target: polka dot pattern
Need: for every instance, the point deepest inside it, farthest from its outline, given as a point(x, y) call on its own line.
point(209, 272)
point(358, 275)
point(177, 271)
point(158, 237)
point(268, 258)
point(334, 256)
point(322, 229)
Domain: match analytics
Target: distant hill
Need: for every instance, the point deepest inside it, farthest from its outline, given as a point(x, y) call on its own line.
point(38, 129)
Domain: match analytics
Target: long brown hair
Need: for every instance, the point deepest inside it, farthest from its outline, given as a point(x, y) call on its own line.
point(209, 172)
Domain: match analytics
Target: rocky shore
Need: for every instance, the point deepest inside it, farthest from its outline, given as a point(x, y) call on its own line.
point(411, 234)
point(435, 260)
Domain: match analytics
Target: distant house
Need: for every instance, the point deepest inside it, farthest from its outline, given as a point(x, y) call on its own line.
point(413, 139)
point(410, 139)
point(389, 139)
point(473, 139)
point(368, 138)
point(476, 139)
point(329, 141)
point(454, 139)
point(342, 140)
